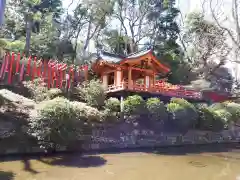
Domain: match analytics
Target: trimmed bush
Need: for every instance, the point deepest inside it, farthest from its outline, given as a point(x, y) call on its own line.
point(156, 109)
point(92, 93)
point(200, 105)
point(183, 113)
point(134, 106)
point(58, 122)
point(174, 107)
point(214, 120)
point(39, 92)
point(217, 106)
point(36, 89)
point(53, 93)
point(109, 116)
point(234, 110)
point(113, 104)
point(184, 103)
point(87, 113)
point(224, 116)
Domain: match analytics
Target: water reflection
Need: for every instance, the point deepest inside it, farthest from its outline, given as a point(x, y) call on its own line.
point(219, 162)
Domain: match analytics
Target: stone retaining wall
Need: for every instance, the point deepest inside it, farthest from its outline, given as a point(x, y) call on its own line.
point(147, 138)
point(129, 136)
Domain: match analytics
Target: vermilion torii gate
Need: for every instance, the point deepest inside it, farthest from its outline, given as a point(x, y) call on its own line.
point(16, 68)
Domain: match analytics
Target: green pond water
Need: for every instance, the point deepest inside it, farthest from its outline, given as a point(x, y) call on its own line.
point(164, 164)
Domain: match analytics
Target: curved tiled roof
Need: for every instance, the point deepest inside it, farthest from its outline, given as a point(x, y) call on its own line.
point(115, 58)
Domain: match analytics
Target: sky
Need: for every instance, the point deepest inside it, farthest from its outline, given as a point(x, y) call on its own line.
point(186, 7)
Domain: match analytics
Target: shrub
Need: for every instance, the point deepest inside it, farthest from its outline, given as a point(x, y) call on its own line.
point(134, 106)
point(39, 92)
point(113, 104)
point(234, 110)
point(200, 105)
point(92, 93)
point(184, 103)
point(183, 114)
point(111, 112)
point(109, 116)
point(36, 89)
point(213, 120)
point(87, 113)
point(156, 109)
point(218, 106)
point(53, 93)
point(56, 122)
point(174, 107)
point(190, 109)
point(224, 116)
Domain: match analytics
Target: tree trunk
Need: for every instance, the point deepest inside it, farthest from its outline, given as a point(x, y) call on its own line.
point(28, 34)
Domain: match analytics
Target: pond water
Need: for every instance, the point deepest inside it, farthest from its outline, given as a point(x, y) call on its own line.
point(165, 164)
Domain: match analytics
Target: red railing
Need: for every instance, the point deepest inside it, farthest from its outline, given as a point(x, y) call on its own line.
point(156, 89)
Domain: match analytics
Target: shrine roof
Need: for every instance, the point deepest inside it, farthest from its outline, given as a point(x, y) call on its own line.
point(138, 54)
point(115, 58)
point(109, 57)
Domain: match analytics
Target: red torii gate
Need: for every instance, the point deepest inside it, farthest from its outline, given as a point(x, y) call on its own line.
point(52, 71)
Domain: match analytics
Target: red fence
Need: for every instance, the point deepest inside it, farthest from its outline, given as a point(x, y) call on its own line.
point(55, 74)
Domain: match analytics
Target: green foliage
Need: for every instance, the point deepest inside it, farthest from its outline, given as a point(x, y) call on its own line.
point(92, 93)
point(59, 122)
point(183, 113)
point(234, 110)
point(217, 106)
point(15, 46)
point(55, 123)
point(109, 116)
point(230, 107)
point(134, 105)
point(113, 104)
point(3, 43)
point(36, 89)
point(184, 103)
point(200, 105)
point(39, 92)
point(111, 110)
point(156, 109)
point(213, 120)
point(87, 113)
point(224, 116)
point(54, 92)
point(174, 107)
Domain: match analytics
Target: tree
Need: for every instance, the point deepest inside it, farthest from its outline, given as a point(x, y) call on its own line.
point(164, 40)
point(115, 42)
point(86, 23)
point(166, 29)
point(28, 16)
point(132, 16)
point(209, 47)
point(233, 32)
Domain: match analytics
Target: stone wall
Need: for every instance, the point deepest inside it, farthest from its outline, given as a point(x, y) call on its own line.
point(129, 136)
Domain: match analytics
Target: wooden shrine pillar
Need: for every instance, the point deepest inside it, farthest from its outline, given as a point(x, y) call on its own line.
point(130, 81)
point(147, 82)
point(154, 79)
point(105, 81)
point(118, 77)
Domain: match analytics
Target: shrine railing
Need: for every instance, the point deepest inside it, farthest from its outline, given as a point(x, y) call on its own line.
point(156, 89)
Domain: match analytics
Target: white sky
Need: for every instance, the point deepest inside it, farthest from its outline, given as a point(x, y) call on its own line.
point(186, 7)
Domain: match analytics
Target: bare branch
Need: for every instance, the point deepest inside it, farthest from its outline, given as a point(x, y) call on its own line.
point(224, 28)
